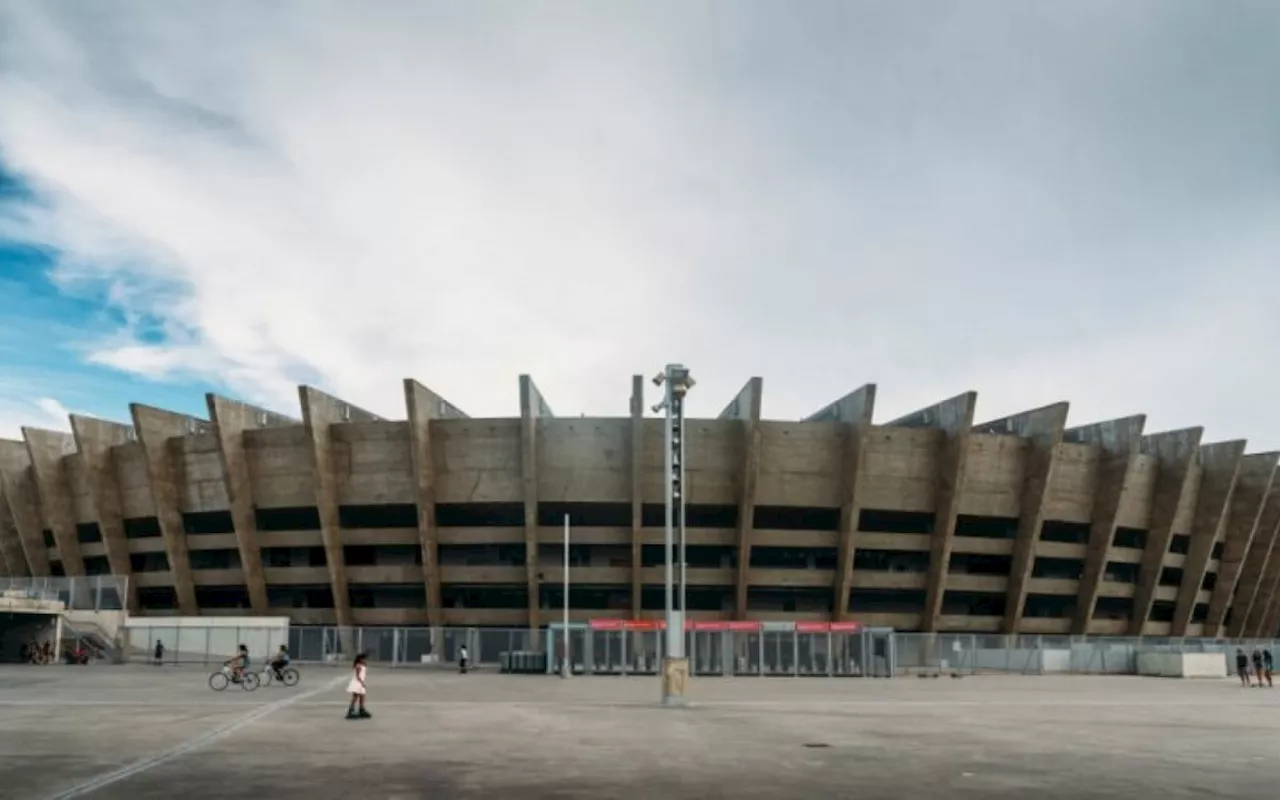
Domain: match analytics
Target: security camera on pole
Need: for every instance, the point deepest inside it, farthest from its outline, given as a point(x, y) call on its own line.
point(677, 382)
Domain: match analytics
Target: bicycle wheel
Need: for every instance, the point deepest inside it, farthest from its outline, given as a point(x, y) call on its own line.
point(218, 681)
point(291, 676)
point(249, 681)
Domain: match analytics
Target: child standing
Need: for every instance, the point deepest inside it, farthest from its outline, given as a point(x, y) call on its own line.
point(357, 688)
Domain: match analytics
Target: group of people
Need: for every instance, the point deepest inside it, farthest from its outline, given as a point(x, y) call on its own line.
point(1262, 666)
point(73, 652)
point(239, 663)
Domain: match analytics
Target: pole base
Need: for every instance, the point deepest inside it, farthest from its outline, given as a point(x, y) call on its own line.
point(675, 675)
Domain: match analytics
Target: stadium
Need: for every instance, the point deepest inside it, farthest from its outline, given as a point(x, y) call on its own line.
point(928, 522)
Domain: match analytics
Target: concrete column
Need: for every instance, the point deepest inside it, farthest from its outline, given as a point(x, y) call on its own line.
point(1249, 588)
point(637, 492)
point(94, 440)
point(423, 406)
point(532, 409)
point(1247, 503)
point(155, 428)
point(1269, 624)
point(954, 418)
point(24, 509)
point(15, 556)
point(47, 449)
point(1220, 464)
point(320, 412)
point(854, 412)
point(745, 407)
point(1267, 592)
point(1174, 452)
point(230, 420)
point(1042, 428)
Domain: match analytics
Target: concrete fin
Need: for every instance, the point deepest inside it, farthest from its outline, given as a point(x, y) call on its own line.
point(1253, 485)
point(333, 410)
point(1119, 442)
point(47, 450)
point(954, 417)
point(231, 418)
point(1112, 435)
point(745, 408)
point(1175, 453)
point(23, 506)
point(423, 406)
point(95, 438)
point(948, 415)
point(1220, 464)
point(1253, 570)
point(855, 411)
point(855, 407)
point(1047, 421)
point(746, 403)
point(154, 428)
point(1043, 429)
point(531, 402)
point(532, 408)
point(439, 408)
point(320, 412)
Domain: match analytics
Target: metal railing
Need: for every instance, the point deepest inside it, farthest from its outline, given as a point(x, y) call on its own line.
point(92, 593)
point(778, 654)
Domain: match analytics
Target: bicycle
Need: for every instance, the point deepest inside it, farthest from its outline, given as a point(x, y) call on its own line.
point(288, 676)
point(219, 680)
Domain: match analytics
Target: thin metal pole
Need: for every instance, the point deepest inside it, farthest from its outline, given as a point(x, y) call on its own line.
point(673, 649)
point(684, 607)
point(565, 668)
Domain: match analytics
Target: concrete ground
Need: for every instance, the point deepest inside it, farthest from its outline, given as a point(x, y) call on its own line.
point(144, 732)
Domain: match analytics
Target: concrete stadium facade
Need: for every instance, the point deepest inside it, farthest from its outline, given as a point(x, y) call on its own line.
point(929, 522)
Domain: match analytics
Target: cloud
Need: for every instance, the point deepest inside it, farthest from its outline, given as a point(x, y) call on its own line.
point(1039, 204)
point(41, 412)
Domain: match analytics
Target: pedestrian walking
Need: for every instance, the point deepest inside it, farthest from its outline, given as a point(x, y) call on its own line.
point(462, 659)
point(1267, 664)
point(358, 687)
point(159, 652)
point(1257, 666)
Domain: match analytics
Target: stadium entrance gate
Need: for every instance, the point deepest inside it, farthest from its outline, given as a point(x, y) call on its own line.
point(636, 647)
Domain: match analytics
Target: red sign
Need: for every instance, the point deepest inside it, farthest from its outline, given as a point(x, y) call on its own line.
point(845, 627)
point(813, 627)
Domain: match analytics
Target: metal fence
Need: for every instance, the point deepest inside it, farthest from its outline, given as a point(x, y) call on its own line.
point(796, 654)
point(93, 593)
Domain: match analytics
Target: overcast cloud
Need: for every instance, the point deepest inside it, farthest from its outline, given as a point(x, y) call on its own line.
point(1040, 201)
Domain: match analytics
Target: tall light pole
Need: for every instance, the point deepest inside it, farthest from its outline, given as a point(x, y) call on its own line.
point(676, 381)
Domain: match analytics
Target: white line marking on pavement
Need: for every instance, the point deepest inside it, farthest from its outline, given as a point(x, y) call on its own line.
point(151, 762)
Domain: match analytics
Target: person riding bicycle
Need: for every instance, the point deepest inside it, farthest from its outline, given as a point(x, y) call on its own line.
point(238, 663)
point(280, 662)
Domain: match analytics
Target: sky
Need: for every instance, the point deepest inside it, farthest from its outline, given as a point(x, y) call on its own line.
point(1038, 201)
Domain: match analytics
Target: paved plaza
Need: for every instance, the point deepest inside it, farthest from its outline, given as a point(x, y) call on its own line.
point(141, 733)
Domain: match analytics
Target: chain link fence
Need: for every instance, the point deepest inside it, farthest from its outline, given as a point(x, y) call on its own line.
point(797, 654)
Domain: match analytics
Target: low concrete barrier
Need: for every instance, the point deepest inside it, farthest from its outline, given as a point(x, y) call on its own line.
point(1162, 664)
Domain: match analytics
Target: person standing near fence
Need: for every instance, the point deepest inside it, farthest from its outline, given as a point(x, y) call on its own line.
point(159, 653)
point(1267, 666)
point(357, 687)
point(1257, 665)
point(462, 659)
point(1242, 666)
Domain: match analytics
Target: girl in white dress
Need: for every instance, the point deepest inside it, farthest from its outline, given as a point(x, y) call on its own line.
point(357, 688)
